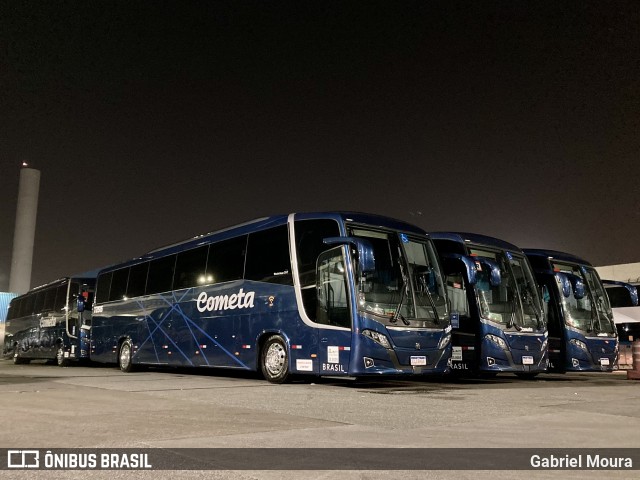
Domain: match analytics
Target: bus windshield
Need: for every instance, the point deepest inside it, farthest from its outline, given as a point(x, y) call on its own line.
point(515, 302)
point(602, 313)
point(591, 313)
point(406, 287)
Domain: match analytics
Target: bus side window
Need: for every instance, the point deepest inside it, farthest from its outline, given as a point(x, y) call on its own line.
point(268, 256)
point(226, 260)
point(190, 268)
point(310, 235)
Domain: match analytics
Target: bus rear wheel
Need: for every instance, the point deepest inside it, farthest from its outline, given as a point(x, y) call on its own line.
point(274, 360)
point(61, 361)
point(125, 356)
point(18, 360)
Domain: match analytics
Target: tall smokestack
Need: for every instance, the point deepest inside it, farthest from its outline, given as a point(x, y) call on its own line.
point(23, 236)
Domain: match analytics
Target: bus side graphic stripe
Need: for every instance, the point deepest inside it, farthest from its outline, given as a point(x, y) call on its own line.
point(214, 341)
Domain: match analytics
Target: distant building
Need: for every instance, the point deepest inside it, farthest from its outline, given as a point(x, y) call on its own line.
point(625, 272)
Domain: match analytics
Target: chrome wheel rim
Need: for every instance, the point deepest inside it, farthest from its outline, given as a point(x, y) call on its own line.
point(275, 360)
point(125, 356)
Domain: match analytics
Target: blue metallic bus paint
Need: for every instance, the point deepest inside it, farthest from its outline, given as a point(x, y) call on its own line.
point(479, 352)
point(52, 335)
point(167, 329)
point(564, 352)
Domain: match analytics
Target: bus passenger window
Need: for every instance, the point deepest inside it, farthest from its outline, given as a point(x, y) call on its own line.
point(137, 280)
point(119, 284)
point(190, 268)
point(268, 256)
point(160, 277)
point(61, 298)
point(49, 300)
point(103, 286)
point(226, 260)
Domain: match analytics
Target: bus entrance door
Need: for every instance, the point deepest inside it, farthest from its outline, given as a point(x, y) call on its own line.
point(334, 313)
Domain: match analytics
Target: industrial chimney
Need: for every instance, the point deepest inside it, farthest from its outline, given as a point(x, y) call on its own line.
point(23, 236)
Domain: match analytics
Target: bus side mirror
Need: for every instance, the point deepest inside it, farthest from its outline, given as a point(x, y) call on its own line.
point(578, 287)
point(454, 263)
point(630, 301)
point(633, 291)
point(494, 270)
point(366, 257)
point(571, 283)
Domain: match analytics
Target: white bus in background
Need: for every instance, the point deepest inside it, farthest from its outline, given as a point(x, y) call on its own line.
point(626, 315)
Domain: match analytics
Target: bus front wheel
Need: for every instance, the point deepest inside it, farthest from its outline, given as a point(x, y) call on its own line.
point(125, 360)
point(274, 360)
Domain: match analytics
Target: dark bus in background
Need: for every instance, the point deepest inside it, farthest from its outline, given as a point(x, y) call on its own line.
point(582, 334)
point(498, 318)
point(626, 315)
point(51, 322)
point(334, 294)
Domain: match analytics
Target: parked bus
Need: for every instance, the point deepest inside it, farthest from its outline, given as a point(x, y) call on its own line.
point(334, 294)
point(626, 315)
point(582, 335)
point(51, 322)
point(498, 318)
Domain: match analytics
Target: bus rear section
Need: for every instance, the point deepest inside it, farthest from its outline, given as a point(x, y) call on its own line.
point(582, 333)
point(51, 322)
point(331, 294)
point(498, 316)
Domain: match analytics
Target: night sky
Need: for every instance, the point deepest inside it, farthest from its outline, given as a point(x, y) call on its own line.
point(152, 122)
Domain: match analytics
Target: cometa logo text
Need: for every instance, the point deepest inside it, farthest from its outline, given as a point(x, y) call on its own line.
point(205, 303)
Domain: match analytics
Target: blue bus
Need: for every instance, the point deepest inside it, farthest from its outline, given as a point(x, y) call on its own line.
point(623, 298)
point(582, 334)
point(332, 294)
point(498, 317)
point(51, 322)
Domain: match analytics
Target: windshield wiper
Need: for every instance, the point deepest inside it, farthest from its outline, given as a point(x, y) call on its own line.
point(512, 320)
point(425, 288)
point(397, 313)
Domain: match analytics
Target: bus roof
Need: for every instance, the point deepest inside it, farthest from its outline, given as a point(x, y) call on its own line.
point(476, 238)
point(267, 222)
point(561, 256)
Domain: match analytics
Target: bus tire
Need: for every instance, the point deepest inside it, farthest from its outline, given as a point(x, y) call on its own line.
point(61, 361)
point(18, 360)
point(125, 356)
point(274, 360)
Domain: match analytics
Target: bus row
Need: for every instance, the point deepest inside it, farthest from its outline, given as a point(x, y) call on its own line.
point(330, 294)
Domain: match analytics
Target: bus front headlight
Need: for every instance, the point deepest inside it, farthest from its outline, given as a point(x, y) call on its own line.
point(444, 341)
point(497, 340)
point(544, 345)
point(579, 343)
point(377, 337)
